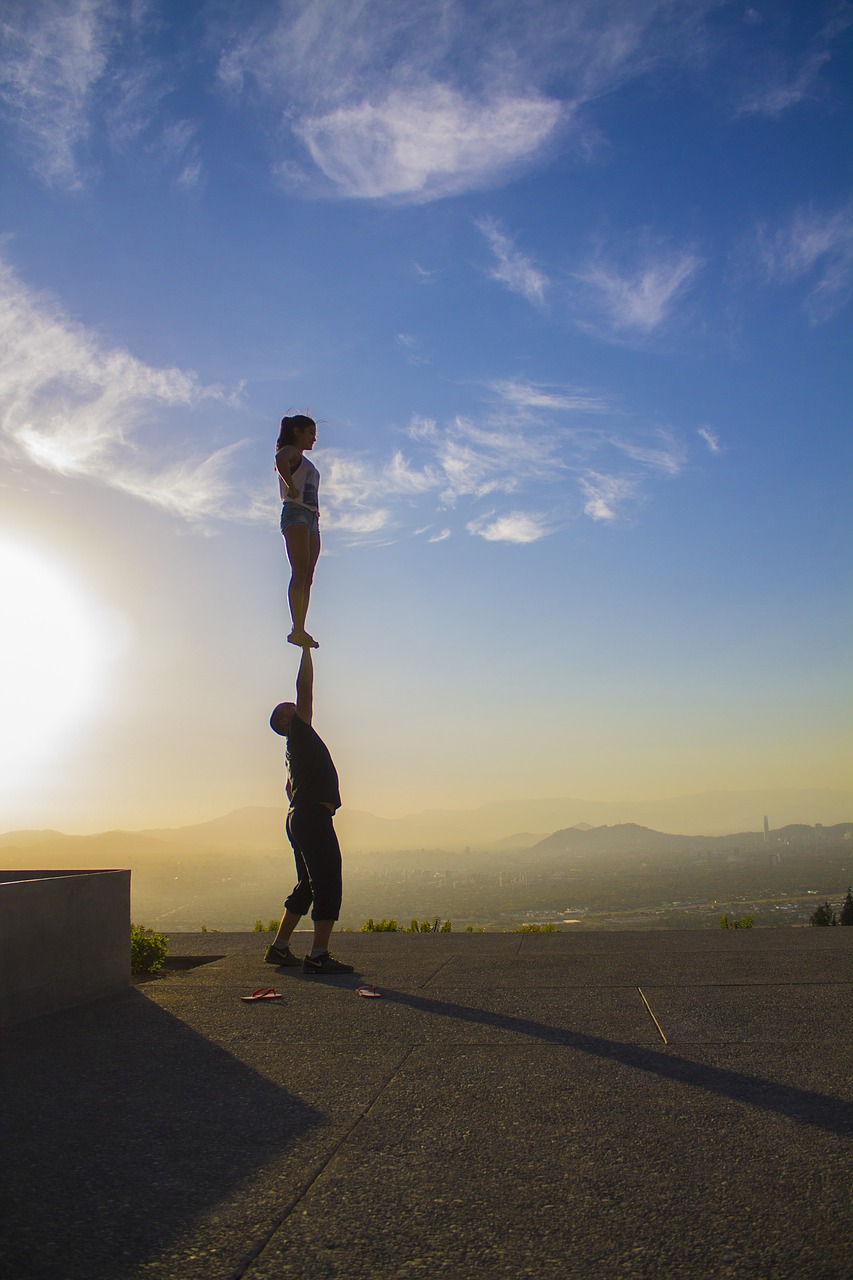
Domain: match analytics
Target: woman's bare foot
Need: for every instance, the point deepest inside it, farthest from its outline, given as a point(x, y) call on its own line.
point(302, 640)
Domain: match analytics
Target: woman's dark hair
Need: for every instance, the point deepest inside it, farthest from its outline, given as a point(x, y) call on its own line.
point(289, 426)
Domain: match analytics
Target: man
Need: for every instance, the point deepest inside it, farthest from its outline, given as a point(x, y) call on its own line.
point(312, 788)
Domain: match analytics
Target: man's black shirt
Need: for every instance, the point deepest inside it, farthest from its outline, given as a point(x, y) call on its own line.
point(313, 776)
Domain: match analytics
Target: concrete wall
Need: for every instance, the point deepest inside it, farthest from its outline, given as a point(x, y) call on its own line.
point(64, 939)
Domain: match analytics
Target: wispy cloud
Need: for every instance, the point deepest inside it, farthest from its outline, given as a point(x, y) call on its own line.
point(641, 299)
point(423, 274)
point(460, 462)
point(76, 74)
point(57, 51)
point(381, 100)
point(813, 247)
point(348, 495)
point(786, 90)
point(711, 439)
point(528, 395)
point(401, 477)
point(555, 453)
point(420, 144)
point(418, 101)
point(612, 300)
point(180, 151)
point(778, 84)
point(410, 346)
point(606, 494)
point(514, 269)
point(73, 406)
point(471, 458)
point(515, 526)
point(666, 454)
point(389, 101)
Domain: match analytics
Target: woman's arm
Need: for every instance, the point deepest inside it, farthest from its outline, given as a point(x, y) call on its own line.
point(284, 460)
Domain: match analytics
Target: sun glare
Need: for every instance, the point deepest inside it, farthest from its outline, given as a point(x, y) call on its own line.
point(55, 647)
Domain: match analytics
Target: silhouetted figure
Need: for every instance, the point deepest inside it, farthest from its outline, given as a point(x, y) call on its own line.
point(312, 788)
point(299, 485)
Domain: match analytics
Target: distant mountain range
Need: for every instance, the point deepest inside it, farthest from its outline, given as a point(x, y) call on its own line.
point(519, 824)
point(502, 826)
point(584, 842)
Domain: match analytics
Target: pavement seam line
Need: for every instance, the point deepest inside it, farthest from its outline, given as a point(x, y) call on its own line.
point(259, 1248)
point(652, 1016)
point(437, 971)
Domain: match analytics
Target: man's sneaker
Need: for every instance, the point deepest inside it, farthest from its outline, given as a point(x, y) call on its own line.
point(282, 956)
point(324, 964)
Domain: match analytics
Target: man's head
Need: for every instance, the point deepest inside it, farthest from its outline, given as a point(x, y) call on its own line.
point(281, 718)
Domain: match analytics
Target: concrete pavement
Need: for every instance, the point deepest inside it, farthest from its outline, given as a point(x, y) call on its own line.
point(651, 1104)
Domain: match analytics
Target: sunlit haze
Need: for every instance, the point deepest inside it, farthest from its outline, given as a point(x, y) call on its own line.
point(567, 288)
point(56, 648)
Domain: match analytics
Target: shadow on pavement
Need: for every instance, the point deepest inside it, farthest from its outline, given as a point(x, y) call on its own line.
point(803, 1105)
point(119, 1126)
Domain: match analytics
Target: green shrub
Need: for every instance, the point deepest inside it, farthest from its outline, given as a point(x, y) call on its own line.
point(415, 926)
point(823, 916)
point(381, 926)
point(846, 916)
point(745, 922)
point(436, 925)
point(536, 928)
point(147, 949)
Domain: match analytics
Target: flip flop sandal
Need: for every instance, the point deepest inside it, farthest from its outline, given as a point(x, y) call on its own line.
point(370, 992)
point(262, 993)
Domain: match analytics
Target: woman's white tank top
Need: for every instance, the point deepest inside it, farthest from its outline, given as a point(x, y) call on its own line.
point(306, 480)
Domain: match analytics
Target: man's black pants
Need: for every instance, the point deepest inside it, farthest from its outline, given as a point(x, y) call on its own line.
point(311, 832)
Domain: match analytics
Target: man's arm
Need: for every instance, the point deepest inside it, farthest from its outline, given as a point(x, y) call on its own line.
point(305, 687)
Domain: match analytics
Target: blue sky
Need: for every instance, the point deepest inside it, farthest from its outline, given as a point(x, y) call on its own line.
point(567, 287)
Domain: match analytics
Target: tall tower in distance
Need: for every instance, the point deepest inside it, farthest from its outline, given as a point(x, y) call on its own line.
point(766, 830)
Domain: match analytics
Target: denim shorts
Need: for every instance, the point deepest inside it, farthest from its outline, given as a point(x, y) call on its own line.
point(295, 513)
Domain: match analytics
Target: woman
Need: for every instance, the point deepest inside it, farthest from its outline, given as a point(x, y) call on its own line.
point(299, 483)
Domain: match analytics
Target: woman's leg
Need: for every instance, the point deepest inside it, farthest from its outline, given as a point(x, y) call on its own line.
point(303, 548)
point(313, 557)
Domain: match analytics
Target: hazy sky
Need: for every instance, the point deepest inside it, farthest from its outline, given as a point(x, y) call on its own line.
point(566, 284)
